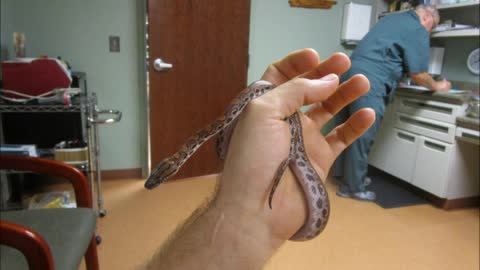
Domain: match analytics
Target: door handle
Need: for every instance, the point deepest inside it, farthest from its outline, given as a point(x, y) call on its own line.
point(159, 65)
point(406, 137)
point(435, 146)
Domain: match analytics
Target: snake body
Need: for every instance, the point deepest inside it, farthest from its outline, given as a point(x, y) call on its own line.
point(298, 161)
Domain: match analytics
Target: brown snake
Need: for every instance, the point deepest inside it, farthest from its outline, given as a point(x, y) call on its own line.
point(313, 188)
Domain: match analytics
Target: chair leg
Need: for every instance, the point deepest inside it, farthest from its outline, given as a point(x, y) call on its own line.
point(91, 257)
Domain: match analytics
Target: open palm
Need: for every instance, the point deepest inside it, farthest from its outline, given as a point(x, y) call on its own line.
point(261, 139)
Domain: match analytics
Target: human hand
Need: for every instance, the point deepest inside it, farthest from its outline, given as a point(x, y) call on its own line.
point(443, 85)
point(261, 141)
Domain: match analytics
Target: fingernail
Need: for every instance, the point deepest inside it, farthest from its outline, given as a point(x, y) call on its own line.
point(329, 77)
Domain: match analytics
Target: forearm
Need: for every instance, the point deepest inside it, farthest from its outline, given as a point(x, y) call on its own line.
point(213, 239)
point(424, 79)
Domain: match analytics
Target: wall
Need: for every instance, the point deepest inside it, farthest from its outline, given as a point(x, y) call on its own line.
point(455, 59)
point(277, 29)
point(3, 49)
point(78, 32)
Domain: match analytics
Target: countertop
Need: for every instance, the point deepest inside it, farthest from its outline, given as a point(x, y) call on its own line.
point(452, 98)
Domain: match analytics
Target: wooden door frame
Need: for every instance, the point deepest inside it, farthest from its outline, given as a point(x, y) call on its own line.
point(146, 163)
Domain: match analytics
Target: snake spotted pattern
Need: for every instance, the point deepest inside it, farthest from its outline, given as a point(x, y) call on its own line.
point(312, 186)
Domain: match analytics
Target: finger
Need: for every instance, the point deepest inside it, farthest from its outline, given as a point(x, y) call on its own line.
point(343, 135)
point(289, 97)
point(337, 63)
point(296, 63)
point(348, 91)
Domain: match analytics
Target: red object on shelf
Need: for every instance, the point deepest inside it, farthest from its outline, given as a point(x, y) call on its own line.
point(34, 77)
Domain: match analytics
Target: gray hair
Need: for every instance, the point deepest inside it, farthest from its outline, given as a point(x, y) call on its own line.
point(429, 8)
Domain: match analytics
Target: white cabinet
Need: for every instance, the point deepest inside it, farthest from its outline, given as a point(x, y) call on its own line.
point(394, 152)
point(433, 162)
point(403, 147)
point(424, 151)
point(464, 177)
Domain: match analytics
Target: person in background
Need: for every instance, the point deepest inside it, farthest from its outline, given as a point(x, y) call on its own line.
point(396, 46)
point(237, 229)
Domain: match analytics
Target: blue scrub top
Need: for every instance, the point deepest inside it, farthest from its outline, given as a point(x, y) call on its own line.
point(398, 44)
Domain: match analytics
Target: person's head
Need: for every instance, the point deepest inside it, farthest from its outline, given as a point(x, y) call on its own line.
point(428, 15)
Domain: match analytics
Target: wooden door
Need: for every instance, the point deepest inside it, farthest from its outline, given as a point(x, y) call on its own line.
point(206, 41)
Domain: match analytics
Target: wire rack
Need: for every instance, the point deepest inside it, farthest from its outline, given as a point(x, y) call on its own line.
point(86, 105)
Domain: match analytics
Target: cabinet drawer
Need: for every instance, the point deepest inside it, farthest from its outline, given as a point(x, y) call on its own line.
point(430, 109)
point(432, 166)
point(402, 150)
point(427, 127)
point(468, 135)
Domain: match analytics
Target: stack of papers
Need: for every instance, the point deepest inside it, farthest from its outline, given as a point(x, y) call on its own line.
point(421, 88)
point(14, 149)
point(451, 27)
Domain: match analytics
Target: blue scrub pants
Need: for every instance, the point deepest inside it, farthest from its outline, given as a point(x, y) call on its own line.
point(352, 165)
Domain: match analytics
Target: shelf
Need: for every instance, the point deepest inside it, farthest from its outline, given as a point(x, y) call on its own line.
point(439, 7)
point(458, 5)
point(78, 106)
point(385, 13)
point(39, 108)
point(457, 33)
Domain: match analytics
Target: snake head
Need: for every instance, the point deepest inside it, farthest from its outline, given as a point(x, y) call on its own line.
point(164, 170)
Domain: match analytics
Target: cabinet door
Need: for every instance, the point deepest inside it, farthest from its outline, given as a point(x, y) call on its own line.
point(432, 166)
point(402, 148)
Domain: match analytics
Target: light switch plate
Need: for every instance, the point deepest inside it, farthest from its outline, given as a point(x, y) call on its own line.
point(114, 43)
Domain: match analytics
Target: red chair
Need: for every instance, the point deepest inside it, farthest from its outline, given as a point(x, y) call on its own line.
point(49, 238)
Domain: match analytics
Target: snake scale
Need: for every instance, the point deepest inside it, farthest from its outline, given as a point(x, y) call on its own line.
point(312, 186)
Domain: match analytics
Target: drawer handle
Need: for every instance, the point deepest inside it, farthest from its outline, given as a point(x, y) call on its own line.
point(422, 105)
point(435, 146)
point(406, 137)
point(424, 124)
point(470, 136)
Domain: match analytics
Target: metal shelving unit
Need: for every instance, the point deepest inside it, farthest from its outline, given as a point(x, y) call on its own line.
point(86, 106)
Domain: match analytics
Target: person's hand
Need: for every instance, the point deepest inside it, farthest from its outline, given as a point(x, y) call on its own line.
point(261, 141)
point(443, 85)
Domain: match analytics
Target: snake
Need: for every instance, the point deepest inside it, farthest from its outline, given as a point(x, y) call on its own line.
point(316, 196)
